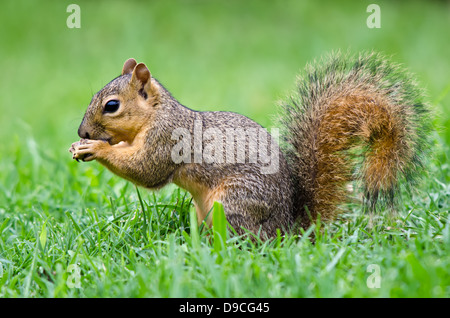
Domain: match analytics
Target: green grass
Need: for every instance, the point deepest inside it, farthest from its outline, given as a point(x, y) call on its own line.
point(82, 215)
point(237, 56)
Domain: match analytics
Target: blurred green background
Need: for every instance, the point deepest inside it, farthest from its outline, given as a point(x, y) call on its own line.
point(240, 56)
point(234, 55)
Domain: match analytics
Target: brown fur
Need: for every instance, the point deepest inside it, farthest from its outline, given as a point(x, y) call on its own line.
point(358, 119)
point(349, 110)
point(348, 122)
point(203, 195)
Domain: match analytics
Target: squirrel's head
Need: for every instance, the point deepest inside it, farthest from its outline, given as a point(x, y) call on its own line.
point(121, 108)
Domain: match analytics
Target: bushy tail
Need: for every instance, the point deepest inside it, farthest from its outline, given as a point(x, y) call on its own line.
point(354, 118)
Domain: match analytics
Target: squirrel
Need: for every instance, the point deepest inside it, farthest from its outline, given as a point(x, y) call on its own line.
point(353, 118)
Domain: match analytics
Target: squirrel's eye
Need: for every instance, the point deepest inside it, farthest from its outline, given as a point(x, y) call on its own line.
point(111, 106)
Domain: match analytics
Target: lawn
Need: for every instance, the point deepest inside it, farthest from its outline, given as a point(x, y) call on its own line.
point(70, 229)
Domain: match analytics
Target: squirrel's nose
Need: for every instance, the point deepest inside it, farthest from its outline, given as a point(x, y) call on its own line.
point(83, 133)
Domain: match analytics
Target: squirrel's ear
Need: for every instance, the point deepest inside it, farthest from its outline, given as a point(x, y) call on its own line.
point(141, 80)
point(128, 66)
point(141, 75)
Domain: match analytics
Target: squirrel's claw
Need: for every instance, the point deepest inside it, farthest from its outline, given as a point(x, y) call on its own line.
point(87, 150)
point(77, 152)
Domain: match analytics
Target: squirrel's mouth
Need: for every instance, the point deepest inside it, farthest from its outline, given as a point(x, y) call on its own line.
point(110, 141)
point(113, 141)
point(114, 137)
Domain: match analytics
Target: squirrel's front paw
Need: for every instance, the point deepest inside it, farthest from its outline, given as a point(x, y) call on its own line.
point(87, 149)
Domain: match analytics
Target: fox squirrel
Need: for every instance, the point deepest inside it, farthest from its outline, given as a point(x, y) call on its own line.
point(354, 118)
